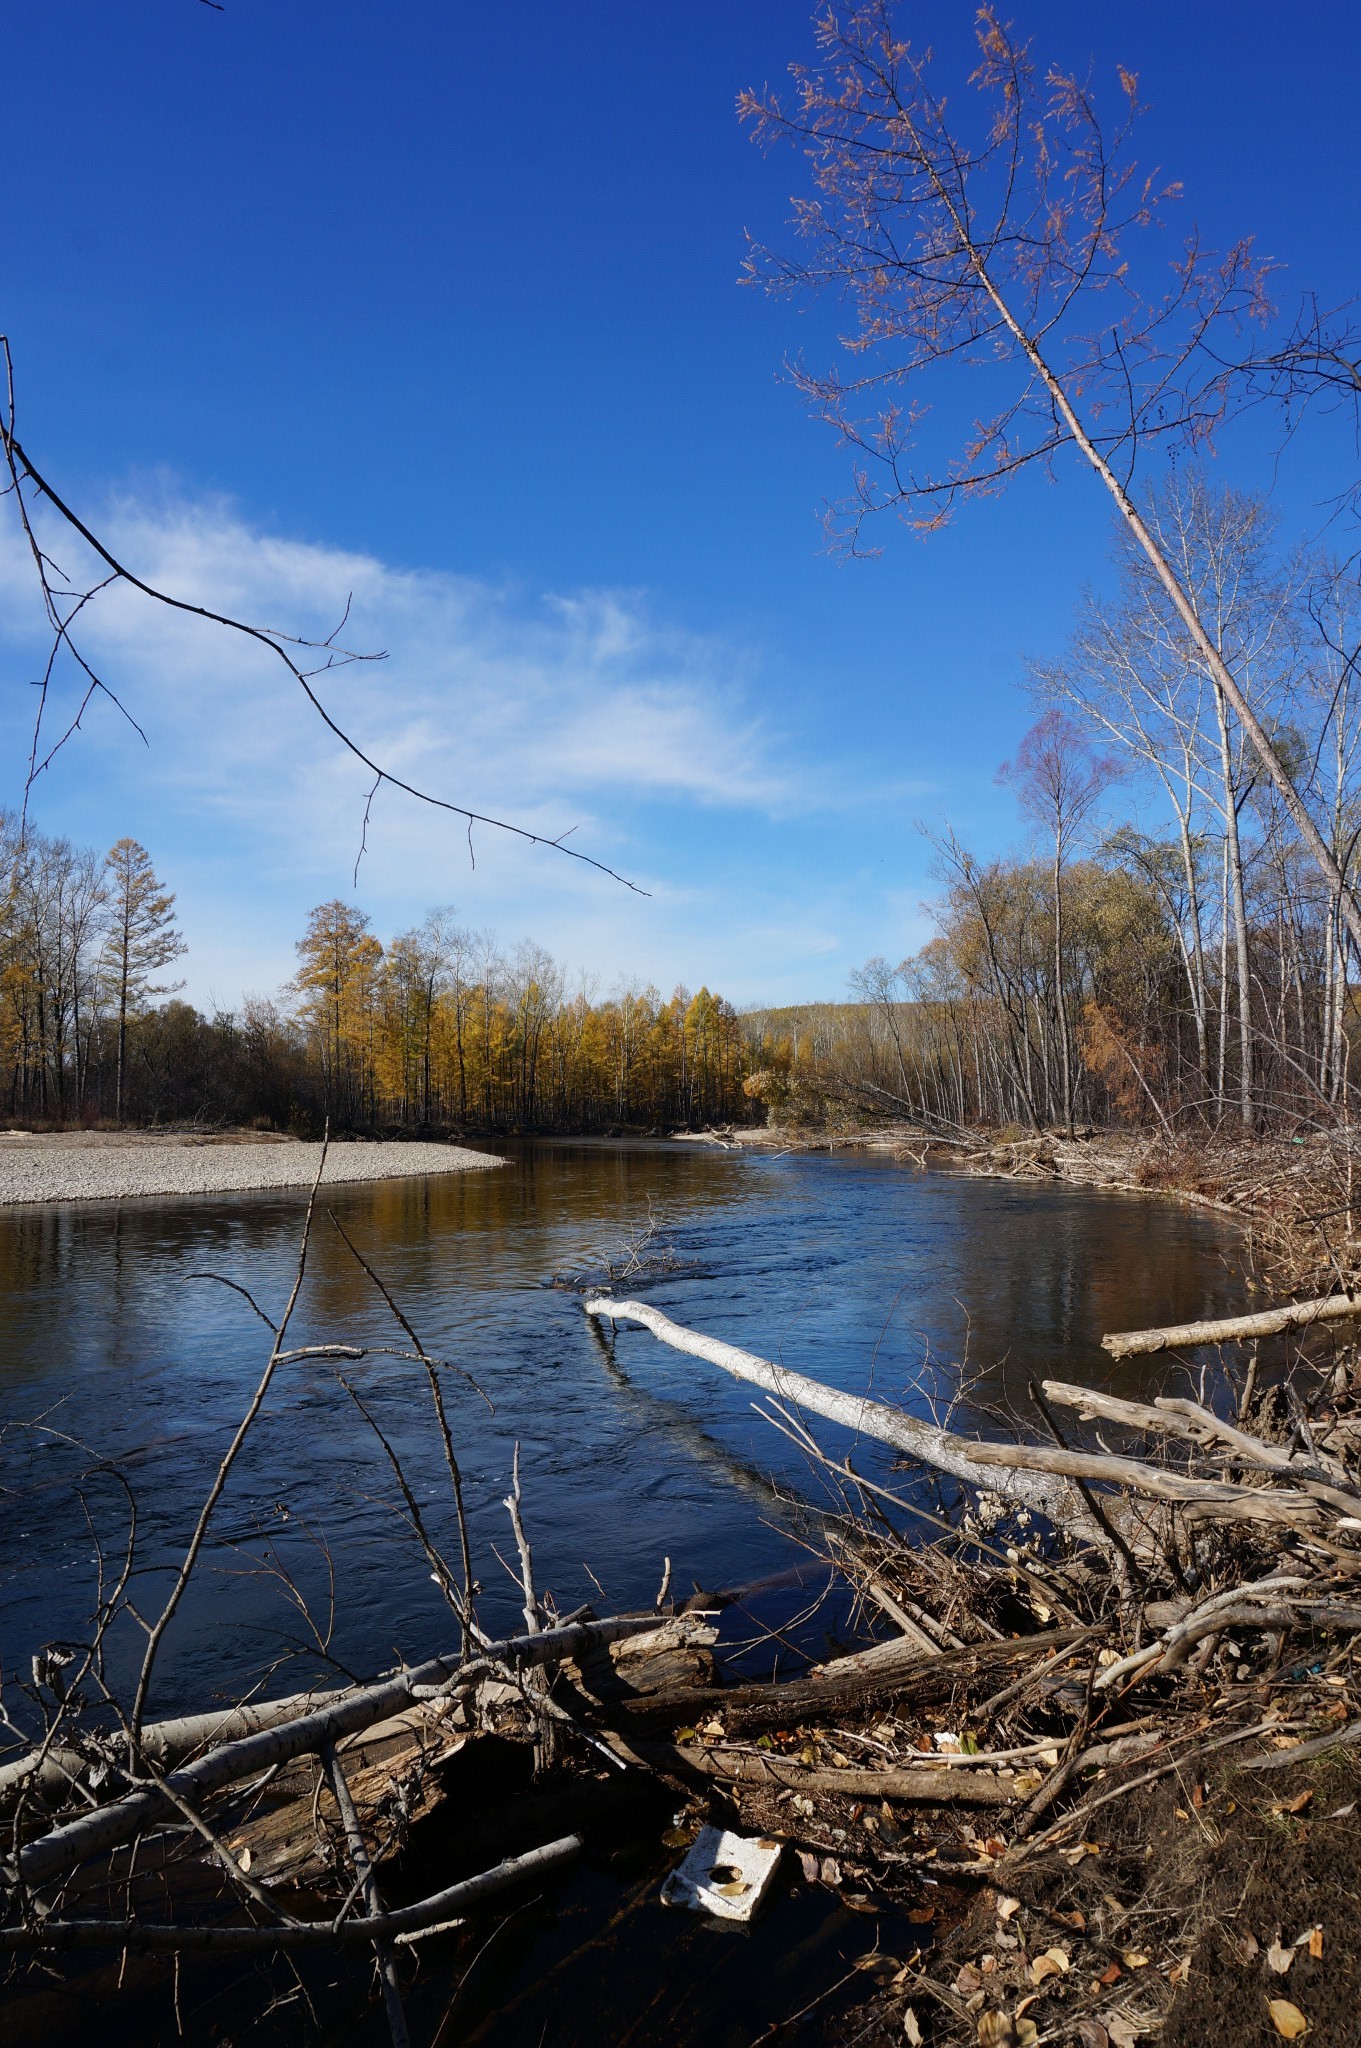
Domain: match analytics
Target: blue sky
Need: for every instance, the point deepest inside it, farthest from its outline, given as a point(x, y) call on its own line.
point(438, 305)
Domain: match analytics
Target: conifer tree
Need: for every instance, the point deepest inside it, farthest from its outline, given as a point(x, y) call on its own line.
point(142, 939)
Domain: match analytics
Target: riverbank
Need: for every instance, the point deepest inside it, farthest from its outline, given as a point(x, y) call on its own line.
point(115, 1166)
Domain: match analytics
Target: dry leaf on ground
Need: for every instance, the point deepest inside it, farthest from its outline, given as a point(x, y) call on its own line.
point(1287, 2019)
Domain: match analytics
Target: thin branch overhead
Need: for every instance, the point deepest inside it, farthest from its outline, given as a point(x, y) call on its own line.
point(63, 602)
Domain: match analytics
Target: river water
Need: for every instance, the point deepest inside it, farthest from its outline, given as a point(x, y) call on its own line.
point(847, 1267)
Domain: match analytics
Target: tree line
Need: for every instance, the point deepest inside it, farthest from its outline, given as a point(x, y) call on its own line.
point(83, 938)
point(438, 1029)
point(1163, 950)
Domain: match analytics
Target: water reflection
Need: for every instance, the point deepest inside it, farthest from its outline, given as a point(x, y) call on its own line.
point(842, 1266)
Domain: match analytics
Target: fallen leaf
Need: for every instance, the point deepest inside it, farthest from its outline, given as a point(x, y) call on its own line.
point(732, 1891)
point(809, 1865)
point(1110, 1975)
point(996, 2031)
point(1300, 1801)
point(1006, 1907)
point(1053, 1963)
point(1287, 2019)
point(1124, 2033)
point(1135, 1959)
point(831, 1871)
point(1179, 1972)
point(921, 1916)
point(1092, 2034)
point(676, 1838)
point(859, 1902)
point(1026, 1783)
point(911, 2028)
point(1027, 2034)
point(1251, 1947)
point(1075, 1920)
point(1279, 1959)
point(1343, 1812)
point(968, 1981)
point(1316, 1943)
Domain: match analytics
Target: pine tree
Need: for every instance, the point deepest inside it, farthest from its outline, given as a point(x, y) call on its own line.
point(142, 938)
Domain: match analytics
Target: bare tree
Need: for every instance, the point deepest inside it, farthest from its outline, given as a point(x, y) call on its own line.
point(1060, 779)
point(1005, 248)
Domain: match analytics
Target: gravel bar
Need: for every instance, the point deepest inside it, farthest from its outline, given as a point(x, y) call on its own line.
point(32, 1171)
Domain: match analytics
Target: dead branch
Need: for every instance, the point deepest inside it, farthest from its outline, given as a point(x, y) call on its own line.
point(122, 1820)
point(141, 1936)
point(1267, 1322)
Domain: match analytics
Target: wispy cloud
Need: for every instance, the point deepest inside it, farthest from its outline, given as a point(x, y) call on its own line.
point(581, 711)
point(488, 695)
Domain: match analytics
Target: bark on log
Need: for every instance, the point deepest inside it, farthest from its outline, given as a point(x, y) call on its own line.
point(166, 1743)
point(901, 1787)
point(94, 1834)
point(896, 1670)
point(1268, 1322)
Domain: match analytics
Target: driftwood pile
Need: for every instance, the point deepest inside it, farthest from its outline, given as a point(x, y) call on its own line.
point(1155, 1593)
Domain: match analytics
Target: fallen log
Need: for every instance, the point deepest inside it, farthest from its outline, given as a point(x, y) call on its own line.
point(1267, 1322)
point(899, 1787)
point(166, 1743)
point(1173, 1416)
point(1028, 1475)
point(990, 1468)
point(896, 1670)
point(94, 1834)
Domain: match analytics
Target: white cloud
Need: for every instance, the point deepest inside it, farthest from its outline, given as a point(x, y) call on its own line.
point(579, 710)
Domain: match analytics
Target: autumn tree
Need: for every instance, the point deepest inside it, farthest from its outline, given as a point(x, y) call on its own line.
point(338, 960)
point(142, 938)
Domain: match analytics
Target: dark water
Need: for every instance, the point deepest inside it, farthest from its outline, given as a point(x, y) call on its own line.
point(845, 1267)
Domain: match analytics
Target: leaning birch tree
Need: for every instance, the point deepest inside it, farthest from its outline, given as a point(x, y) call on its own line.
point(994, 236)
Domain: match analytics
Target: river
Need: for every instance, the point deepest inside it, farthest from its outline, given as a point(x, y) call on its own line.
point(845, 1266)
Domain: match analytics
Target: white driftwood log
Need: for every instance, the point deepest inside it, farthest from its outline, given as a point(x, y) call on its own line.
point(1268, 1322)
point(166, 1743)
point(957, 1457)
point(94, 1834)
point(1029, 1475)
point(1323, 1477)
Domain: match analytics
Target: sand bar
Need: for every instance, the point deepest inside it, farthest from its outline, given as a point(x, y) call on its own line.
point(95, 1167)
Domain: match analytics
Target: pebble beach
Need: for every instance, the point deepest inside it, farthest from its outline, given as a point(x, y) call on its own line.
point(89, 1166)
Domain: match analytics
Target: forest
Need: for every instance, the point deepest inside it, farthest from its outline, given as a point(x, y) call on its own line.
point(438, 1029)
point(1160, 950)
